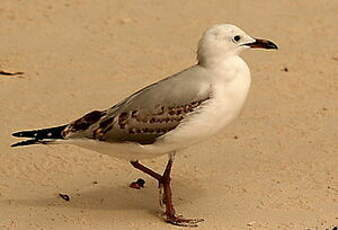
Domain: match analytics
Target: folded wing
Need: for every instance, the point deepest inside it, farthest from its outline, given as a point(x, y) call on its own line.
point(148, 113)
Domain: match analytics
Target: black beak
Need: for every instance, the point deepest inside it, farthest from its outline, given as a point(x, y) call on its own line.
point(262, 43)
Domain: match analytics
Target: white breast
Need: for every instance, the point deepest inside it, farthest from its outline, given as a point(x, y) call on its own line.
point(230, 84)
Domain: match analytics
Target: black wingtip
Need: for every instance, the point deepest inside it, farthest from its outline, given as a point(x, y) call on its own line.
point(48, 133)
point(30, 142)
point(27, 142)
point(17, 134)
point(16, 144)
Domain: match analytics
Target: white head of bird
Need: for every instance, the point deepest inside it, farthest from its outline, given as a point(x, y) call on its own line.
point(224, 40)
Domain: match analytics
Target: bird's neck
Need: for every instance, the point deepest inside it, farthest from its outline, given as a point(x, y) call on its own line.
point(215, 61)
point(219, 62)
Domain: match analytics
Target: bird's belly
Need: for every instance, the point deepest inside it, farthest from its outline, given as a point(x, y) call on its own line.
point(125, 150)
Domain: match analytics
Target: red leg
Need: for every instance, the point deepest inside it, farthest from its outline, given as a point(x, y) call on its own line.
point(146, 170)
point(166, 199)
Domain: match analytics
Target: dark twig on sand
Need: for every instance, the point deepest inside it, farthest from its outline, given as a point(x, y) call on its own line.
point(64, 196)
point(137, 184)
point(10, 74)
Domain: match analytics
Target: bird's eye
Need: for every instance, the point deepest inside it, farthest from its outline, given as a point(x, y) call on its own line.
point(237, 38)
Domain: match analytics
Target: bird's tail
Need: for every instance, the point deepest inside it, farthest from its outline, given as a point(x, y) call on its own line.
point(41, 136)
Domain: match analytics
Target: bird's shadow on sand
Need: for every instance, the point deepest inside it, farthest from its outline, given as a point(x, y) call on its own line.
point(118, 197)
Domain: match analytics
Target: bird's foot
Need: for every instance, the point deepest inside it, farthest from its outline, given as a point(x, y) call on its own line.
point(178, 220)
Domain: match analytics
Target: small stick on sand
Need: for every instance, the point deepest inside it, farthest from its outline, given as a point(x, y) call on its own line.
point(10, 74)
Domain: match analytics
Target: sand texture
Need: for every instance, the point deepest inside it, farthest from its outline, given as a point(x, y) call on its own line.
point(273, 168)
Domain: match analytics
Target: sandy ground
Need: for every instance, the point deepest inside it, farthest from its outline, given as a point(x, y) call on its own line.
point(274, 168)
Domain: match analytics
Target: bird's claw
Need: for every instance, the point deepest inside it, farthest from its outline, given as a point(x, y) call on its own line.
point(182, 222)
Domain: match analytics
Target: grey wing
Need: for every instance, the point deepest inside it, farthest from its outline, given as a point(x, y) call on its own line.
point(148, 113)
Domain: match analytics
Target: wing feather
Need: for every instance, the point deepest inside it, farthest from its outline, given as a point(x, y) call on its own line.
point(149, 113)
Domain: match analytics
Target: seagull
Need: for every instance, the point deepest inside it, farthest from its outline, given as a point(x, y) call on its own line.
point(170, 115)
